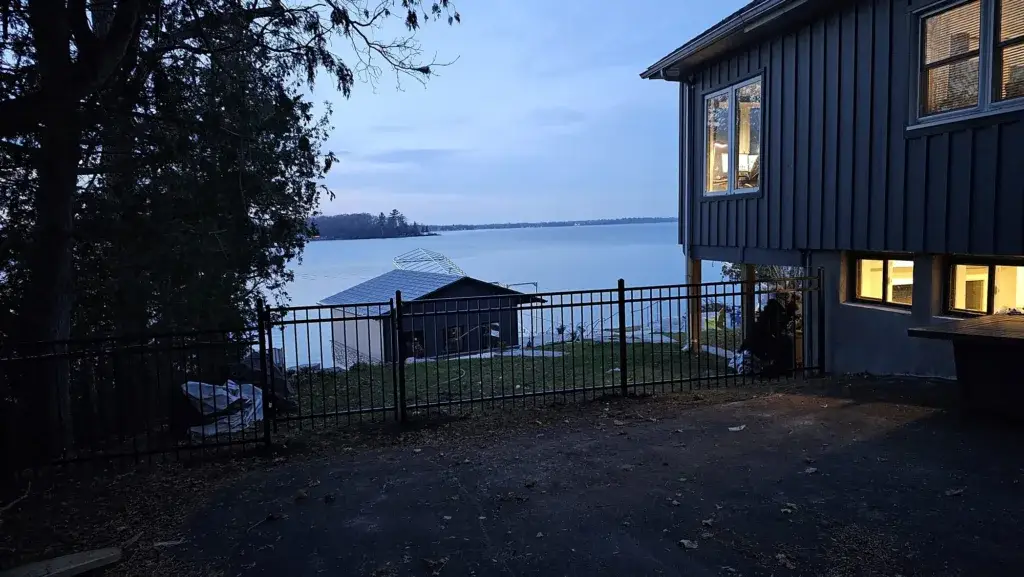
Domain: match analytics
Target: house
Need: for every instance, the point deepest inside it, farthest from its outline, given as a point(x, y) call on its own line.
point(442, 314)
point(879, 141)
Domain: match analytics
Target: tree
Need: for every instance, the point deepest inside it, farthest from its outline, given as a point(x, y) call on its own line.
point(133, 136)
point(733, 272)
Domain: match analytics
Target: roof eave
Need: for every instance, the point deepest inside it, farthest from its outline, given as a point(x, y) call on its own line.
point(673, 66)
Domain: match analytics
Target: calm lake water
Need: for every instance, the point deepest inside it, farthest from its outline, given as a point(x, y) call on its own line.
point(558, 258)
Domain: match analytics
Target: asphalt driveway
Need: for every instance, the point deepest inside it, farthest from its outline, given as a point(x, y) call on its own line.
point(789, 484)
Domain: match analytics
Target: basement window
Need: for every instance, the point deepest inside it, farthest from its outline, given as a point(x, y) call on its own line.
point(985, 288)
point(732, 124)
point(884, 280)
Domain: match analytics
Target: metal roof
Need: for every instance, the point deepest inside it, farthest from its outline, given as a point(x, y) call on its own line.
point(731, 29)
point(413, 284)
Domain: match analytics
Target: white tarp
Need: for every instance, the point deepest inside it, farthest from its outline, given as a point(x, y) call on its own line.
point(235, 407)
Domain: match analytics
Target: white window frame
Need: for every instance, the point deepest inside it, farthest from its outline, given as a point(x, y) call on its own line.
point(987, 104)
point(731, 188)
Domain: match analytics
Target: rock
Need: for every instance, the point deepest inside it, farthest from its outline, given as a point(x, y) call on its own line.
point(687, 544)
point(737, 428)
point(540, 535)
point(301, 494)
point(707, 522)
point(785, 561)
point(810, 470)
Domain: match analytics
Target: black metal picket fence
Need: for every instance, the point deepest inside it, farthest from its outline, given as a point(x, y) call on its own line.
point(317, 367)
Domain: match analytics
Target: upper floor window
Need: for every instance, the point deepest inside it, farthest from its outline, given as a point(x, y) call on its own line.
point(986, 288)
point(971, 58)
point(732, 158)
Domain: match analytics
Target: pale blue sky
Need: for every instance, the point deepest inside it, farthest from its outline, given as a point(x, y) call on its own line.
point(542, 117)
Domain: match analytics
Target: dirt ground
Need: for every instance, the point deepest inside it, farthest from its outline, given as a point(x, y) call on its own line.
point(844, 478)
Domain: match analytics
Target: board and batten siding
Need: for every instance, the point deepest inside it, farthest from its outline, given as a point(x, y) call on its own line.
point(839, 169)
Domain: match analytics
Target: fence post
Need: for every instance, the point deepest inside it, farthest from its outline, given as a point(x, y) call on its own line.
point(394, 357)
point(269, 409)
point(396, 334)
point(623, 378)
point(820, 313)
point(263, 325)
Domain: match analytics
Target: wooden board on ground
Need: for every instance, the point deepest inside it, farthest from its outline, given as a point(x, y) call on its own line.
point(68, 565)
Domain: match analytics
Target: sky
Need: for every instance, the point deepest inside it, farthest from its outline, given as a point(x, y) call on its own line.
point(540, 115)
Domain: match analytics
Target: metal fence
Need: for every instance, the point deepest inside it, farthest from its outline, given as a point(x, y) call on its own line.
point(130, 397)
point(408, 359)
point(317, 367)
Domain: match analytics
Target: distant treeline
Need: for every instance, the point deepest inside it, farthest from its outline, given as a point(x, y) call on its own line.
point(553, 223)
point(364, 225)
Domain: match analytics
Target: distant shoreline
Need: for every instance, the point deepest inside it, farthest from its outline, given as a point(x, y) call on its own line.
point(552, 224)
point(435, 230)
point(316, 238)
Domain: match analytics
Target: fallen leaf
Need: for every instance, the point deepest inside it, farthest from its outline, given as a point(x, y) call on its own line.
point(808, 460)
point(810, 470)
point(482, 518)
point(687, 544)
point(954, 492)
point(313, 483)
point(417, 450)
point(540, 535)
point(618, 423)
point(675, 503)
point(787, 510)
point(301, 494)
point(706, 535)
point(707, 522)
point(447, 518)
point(737, 429)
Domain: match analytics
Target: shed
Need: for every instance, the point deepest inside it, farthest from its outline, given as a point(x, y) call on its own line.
point(442, 315)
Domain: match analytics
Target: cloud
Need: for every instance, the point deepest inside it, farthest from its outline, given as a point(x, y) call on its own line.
point(540, 117)
point(415, 156)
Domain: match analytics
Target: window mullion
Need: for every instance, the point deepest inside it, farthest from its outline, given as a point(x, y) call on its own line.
point(990, 290)
point(986, 46)
point(732, 139)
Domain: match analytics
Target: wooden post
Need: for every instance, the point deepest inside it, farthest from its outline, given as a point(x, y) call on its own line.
point(693, 279)
point(749, 302)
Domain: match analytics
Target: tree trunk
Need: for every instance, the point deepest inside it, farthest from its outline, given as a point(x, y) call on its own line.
point(47, 308)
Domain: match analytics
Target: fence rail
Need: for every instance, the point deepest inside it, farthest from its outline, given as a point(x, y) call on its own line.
point(317, 367)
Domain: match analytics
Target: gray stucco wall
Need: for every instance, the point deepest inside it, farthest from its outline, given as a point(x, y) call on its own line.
point(863, 338)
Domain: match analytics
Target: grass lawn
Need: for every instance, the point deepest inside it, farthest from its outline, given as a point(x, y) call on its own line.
point(581, 370)
point(723, 338)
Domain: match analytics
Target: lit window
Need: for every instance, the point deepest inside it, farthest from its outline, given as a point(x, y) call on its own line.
point(986, 289)
point(885, 280)
point(952, 41)
point(958, 48)
point(1009, 54)
point(732, 119)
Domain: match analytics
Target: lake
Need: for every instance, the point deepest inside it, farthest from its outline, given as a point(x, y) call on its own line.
point(556, 258)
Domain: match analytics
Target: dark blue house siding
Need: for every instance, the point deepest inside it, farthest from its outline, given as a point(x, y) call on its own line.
point(842, 172)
